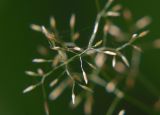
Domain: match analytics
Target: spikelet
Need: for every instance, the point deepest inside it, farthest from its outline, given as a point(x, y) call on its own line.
point(110, 53)
point(143, 22)
point(100, 59)
point(86, 88)
point(46, 108)
point(38, 60)
point(88, 105)
point(110, 87)
point(124, 59)
point(114, 61)
point(72, 21)
point(52, 22)
point(36, 27)
point(98, 43)
point(73, 93)
point(48, 34)
point(29, 88)
point(31, 73)
point(122, 112)
point(53, 83)
point(113, 13)
point(83, 72)
point(58, 90)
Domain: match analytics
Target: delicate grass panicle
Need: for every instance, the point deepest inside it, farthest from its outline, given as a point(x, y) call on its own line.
point(95, 55)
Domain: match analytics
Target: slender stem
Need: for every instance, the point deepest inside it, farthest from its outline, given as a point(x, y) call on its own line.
point(61, 65)
point(140, 105)
point(72, 34)
point(150, 86)
point(97, 5)
point(113, 106)
point(135, 102)
point(68, 73)
point(123, 46)
point(97, 22)
point(105, 39)
point(46, 106)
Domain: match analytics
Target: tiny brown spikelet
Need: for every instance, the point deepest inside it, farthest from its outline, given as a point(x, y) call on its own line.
point(72, 21)
point(53, 22)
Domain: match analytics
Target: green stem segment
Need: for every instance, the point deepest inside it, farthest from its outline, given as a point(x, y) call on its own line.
point(113, 106)
point(97, 5)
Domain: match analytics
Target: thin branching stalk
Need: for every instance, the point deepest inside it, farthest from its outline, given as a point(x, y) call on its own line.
point(113, 106)
point(97, 22)
point(95, 55)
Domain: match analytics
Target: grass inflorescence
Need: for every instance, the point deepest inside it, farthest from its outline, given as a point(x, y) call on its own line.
point(98, 55)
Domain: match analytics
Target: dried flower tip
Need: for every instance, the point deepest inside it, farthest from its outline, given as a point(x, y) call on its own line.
point(53, 22)
point(73, 98)
point(143, 22)
point(86, 88)
point(142, 34)
point(36, 27)
point(113, 14)
point(54, 82)
point(110, 53)
point(110, 87)
point(39, 60)
point(30, 88)
point(122, 112)
point(98, 43)
point(31, 73)
point(72, 21)
point(77, 48)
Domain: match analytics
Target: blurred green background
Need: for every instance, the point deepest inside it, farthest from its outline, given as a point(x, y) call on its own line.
point(18, 45)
